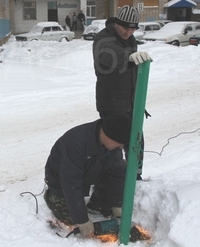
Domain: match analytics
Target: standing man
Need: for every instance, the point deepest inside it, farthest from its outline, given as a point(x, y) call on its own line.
point(116, 62)
point(89, 154)
point(68, 22)
point(81, 18)
point(74, 22)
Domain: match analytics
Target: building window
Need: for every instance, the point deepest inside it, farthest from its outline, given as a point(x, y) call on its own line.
point(29, 10)
point(91, 9)
point(124, 2)
point(151, 3)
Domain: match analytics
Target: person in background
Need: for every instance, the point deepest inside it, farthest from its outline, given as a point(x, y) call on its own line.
point(81, 18)
point(88, 154)
point(68, 22)
point(116, 62)
point(74, 21)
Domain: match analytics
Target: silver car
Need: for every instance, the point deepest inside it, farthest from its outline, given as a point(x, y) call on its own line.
point(163, 22)
point(46, 31)
point(175, 33)
point(145, 28)
point(91, 31)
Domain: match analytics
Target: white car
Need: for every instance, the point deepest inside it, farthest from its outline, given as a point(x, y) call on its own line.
point(91, 31)
point(145, 28)
point(163, 22)
point(175, 33)
point(46, 31)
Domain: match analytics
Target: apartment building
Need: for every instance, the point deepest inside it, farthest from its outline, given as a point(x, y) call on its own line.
point(18, 16)
point(151, 10)
point(6, 17)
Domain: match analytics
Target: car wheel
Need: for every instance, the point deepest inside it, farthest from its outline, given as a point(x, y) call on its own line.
point(64, 39)
point(175, 43)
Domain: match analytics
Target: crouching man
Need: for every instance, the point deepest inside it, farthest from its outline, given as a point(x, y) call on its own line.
point(89, 154)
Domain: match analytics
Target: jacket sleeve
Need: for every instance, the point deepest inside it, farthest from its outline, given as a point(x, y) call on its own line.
point(109, 53)
point(71, 177)
point(114, 180)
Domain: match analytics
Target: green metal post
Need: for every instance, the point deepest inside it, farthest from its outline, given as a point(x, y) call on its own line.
point(134, 151)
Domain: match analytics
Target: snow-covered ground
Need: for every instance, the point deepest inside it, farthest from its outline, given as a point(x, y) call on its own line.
point(49, 87)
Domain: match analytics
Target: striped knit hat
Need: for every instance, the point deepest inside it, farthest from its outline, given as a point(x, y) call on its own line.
point(128, 16)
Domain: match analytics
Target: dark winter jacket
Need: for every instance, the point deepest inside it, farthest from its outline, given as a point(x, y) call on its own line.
point(67, 21)
point(77, 161)
point(81, 17)
point(116, 77)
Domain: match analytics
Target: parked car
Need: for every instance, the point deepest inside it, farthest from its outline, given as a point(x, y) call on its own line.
point(46, 31)
point(175, 33)
point(163, 22)
point(91, 31)
point(146, 28)
point(194, 40)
